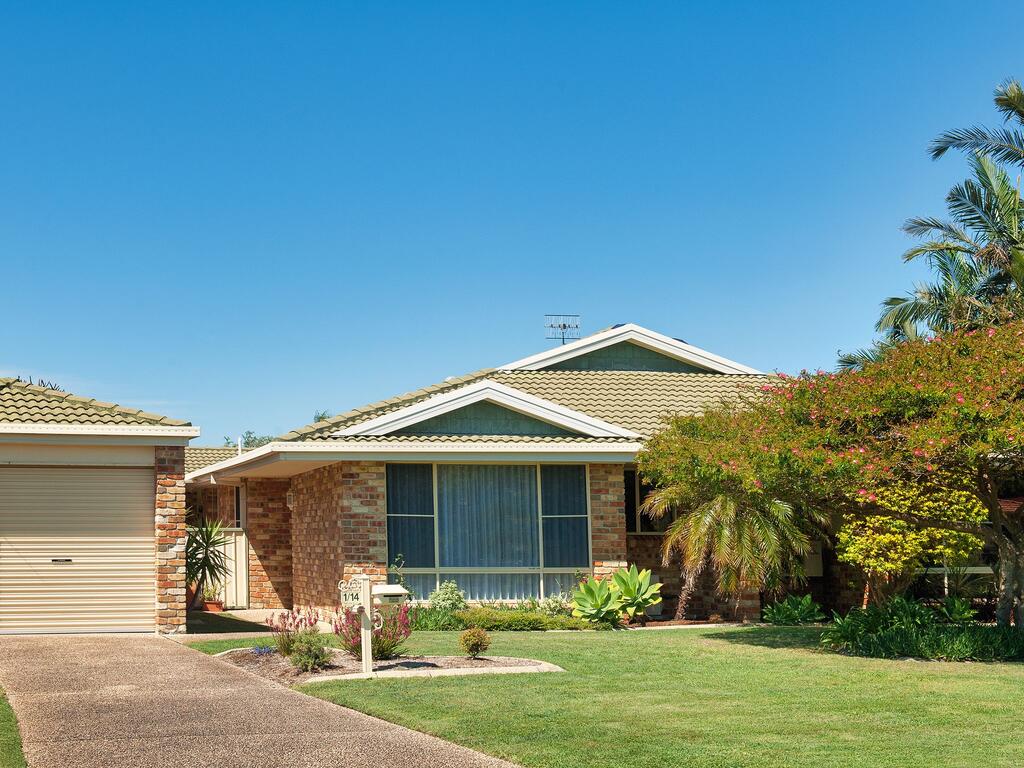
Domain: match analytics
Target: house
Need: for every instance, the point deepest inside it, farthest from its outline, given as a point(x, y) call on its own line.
point(92, 514)
point(512, 481)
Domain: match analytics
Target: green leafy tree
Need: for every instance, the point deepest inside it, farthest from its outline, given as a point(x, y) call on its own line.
point(249, 440)
point(747, 539)
point(900, 439)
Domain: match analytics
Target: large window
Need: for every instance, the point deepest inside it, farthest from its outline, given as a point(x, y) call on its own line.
point(502, 531)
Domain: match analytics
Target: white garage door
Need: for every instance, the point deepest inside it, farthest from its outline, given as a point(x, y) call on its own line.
point(77, 550)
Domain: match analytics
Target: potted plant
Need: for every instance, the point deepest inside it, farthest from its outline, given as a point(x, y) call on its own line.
point(211, 598)
point(205, 561)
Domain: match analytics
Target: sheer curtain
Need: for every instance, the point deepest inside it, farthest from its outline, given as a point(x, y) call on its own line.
point(487, 516)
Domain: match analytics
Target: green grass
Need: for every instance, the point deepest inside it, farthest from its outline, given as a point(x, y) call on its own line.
point(10, 739)
point(200, 622)
point(705, 697)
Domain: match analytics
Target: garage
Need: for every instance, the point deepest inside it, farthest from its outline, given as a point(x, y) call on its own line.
point(77, 549)
point(92, 514)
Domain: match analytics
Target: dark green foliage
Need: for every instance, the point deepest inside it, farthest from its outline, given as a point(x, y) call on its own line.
point(474, 641)
point(495, 620)
point(793, 611)
point(902, 628)
point(309, 652)
point(427, 619)
point(956, 610)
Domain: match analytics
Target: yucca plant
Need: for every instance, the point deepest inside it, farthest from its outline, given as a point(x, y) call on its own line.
point(635, 591)
point(595, 600)
point(205, 560)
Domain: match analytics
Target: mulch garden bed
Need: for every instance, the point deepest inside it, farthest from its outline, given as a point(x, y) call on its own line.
point(277, 668)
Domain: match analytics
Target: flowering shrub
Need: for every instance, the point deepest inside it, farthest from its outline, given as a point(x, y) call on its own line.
point(925, 436)
point(262, 650)
point(286, 625)
point(448, 597)
point(386, 642)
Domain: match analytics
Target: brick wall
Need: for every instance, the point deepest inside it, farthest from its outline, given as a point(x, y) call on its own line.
point(268, 529)
point(339, 528)
point(170, 538)
point(217, 502)
point(608, 517)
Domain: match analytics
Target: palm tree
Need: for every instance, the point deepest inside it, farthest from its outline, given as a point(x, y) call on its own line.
point(977, 255)
point(744, 541)
point(856, 360)
point(1006, 145)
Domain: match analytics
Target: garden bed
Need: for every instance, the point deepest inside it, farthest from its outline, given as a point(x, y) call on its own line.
point(275, 667)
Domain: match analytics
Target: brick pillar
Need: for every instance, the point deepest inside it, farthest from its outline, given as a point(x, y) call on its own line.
point(339, 529)
point(268, 528)
point(170, 538)
point(608, 517)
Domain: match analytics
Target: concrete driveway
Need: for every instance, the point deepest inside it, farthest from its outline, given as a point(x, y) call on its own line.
point(139, 700)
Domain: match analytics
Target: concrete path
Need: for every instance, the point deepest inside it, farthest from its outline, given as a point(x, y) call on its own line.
point(138, 700)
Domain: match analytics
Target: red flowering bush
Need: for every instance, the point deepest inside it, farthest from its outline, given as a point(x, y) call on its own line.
point(287, 625)
point(936, 420)
point(387, 639)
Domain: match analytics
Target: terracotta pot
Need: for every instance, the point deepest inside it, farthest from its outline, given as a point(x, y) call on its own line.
point(213, 606)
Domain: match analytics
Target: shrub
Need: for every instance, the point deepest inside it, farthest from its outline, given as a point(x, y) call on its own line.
point(386, 641)
point(635, 591)
point(497, 620)
point(309, 653)
point(793, 611)
point(596, 601)
point(956, 610)
point(902, 628)
point(262, 650)
point(556, 605)
point(474, 641)
point(447, 597)
point(285, 625)
point(423, 618)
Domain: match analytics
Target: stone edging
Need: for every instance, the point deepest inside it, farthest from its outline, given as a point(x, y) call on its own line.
point(537, 666)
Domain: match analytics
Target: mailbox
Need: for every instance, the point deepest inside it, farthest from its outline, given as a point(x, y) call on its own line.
point(389, 594)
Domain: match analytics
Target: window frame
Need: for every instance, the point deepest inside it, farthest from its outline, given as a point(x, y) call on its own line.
point(638, 501)
point(540, 571)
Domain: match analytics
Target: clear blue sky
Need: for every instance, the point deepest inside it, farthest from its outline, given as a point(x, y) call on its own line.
point(240, 214)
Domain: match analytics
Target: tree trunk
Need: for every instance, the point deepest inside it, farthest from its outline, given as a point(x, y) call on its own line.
point(687, 584)
point(1010, 586)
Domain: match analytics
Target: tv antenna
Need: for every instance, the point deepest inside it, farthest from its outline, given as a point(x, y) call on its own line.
point(562, 327)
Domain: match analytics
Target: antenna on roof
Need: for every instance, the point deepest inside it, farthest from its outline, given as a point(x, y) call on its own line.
point(562, 327)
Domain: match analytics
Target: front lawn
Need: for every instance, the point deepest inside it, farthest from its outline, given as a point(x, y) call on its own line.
point(704, 697)
point(10, 739)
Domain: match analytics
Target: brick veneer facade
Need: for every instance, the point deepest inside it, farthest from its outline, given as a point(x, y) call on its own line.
point(269, 531)
point(339, 529)
point(170, 538)
point(608, 517)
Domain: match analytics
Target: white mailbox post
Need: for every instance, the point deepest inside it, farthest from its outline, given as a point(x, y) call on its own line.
point(362, 596)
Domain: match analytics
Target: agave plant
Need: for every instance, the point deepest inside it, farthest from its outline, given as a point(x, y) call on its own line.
point(594, 600)
point(635, 591)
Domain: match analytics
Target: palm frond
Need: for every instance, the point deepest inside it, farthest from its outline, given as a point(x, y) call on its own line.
point(1003, 144)
point(1009, 99)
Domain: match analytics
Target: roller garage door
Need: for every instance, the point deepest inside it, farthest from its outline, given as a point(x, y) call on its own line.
point(77, 550)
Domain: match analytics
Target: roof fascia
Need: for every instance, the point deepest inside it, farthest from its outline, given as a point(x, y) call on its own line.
point(636, 334)
point(489, 391)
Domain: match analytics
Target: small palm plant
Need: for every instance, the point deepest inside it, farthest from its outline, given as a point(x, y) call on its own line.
point(205, 560)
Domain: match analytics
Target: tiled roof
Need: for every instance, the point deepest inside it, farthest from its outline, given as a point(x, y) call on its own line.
point(322, 430)
point(637, 400)
point(200, 456)
point(415, 439)
point(23, 403)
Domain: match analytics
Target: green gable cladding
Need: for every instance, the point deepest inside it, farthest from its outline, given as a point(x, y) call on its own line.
point(483, 418)
point(625, 356)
